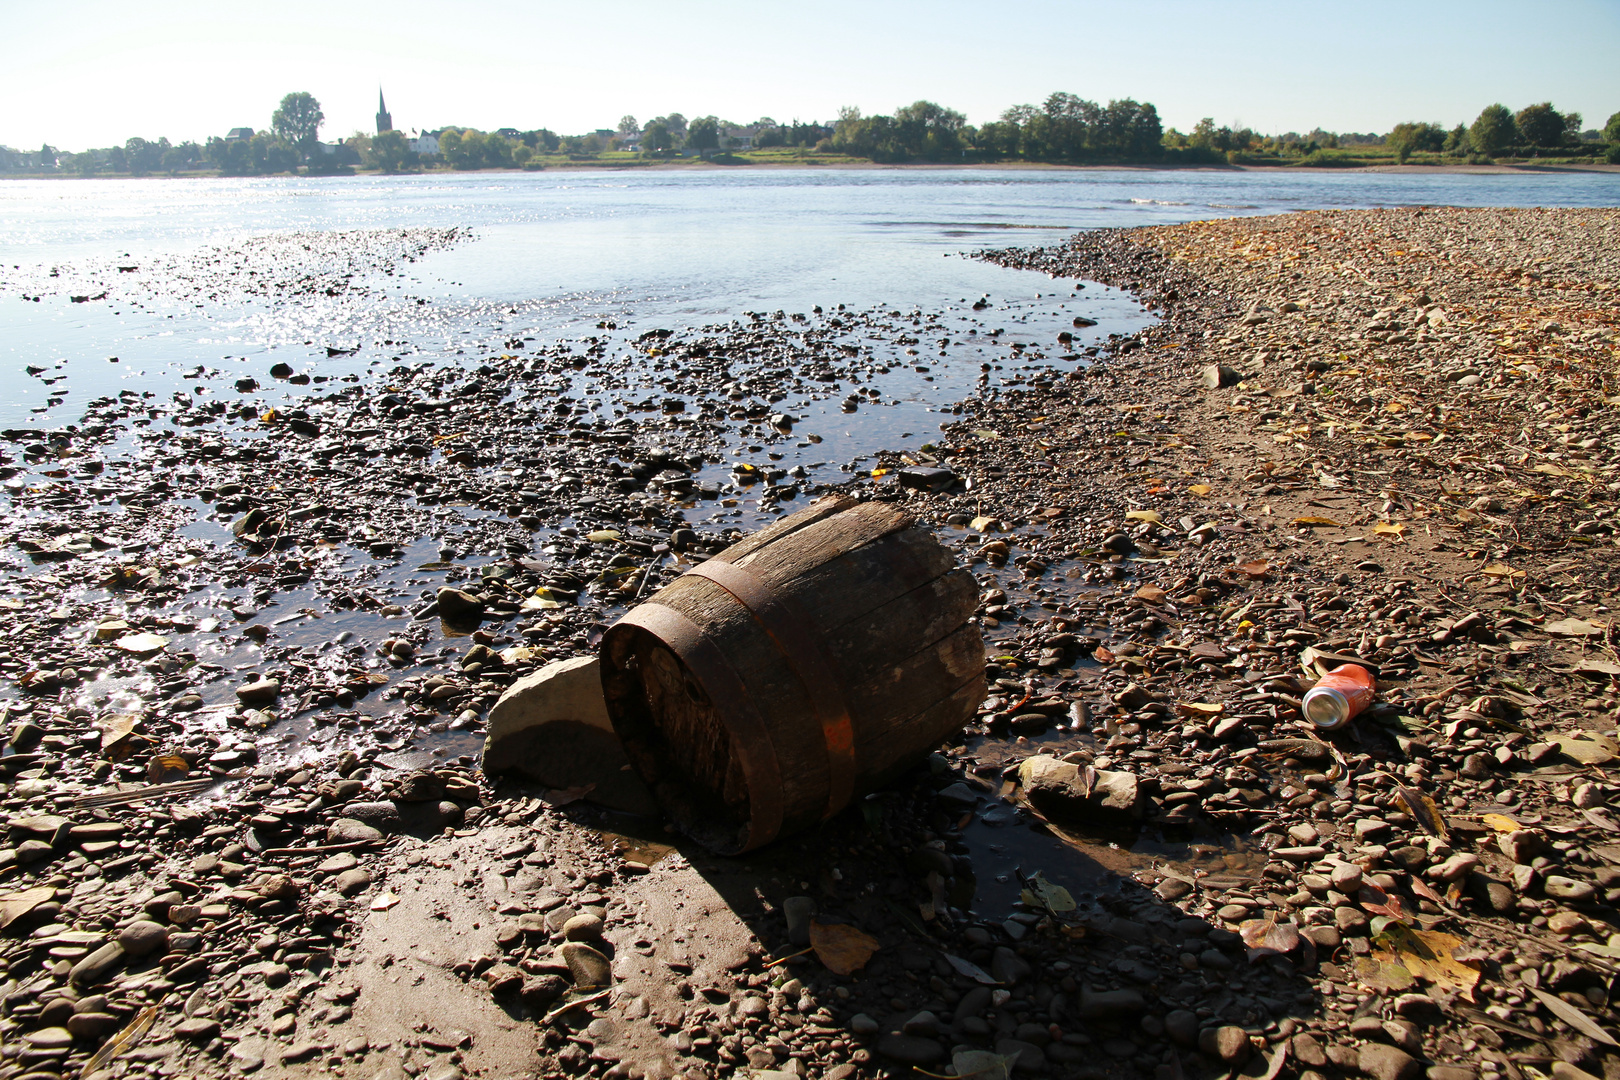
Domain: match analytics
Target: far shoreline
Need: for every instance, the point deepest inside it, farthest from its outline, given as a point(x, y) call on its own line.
point(1503, 169)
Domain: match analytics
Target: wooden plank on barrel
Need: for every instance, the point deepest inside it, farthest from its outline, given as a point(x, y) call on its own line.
point(848, 586)
point(884, 756)
point(818, 542)
point(819, 510)
point(932, 672)
point(924, 616)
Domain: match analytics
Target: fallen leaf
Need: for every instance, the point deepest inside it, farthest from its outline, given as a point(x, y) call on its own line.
point(133, 1032)
point(982, 1065)
point(1382, 973)
point(1200, 710)
point(1429, 955)
point(970, 970)
point(1199, 489)
point(844, 949)
point(1254, 569)
point(1500, 822)
point(383, 901)
point(1421, 888)
point(1425, 810)
point(1390, 528)
point(1269, 934)
point(14, 906)
point(983, 523)
point(1312, 520)
point(142, 644)
point(1150, 594)
point(1145, 515)
point(1379, 902)
point(602, 536)
point(1501, 569)
point(1102, 655)
point(1054, 898)
point(1574, 628)
point(1574, 1017)
point(165, 767)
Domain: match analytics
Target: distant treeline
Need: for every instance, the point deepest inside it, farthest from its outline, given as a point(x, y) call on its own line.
point(1063, 129)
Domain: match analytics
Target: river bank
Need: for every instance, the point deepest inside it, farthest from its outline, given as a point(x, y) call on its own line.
point(1408, 457)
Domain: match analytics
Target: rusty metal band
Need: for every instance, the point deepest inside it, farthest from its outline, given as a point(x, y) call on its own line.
point(789, 630)
point(724, 686)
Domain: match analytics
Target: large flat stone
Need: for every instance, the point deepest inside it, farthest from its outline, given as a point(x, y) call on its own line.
point(552, 727)
point(1058, 790)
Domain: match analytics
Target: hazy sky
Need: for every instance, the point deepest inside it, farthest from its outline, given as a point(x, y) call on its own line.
point(95, 72)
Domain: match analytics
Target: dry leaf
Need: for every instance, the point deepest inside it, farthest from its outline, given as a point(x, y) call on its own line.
point(1501, 569)
point(1574, 628)
point(970, 970)
point(1424, 809)
point(1198, 489)
point(1145, 515)
point(982, 1065)
point(383, 901)
point(844, 949)
point(1316, 521)
point(1390, 528)
point(1379, 902)
point(1500, 822)
point(1254, 569)
point(1054, 898)
point(133, 1032)
point(166, 767)
point(1269, 934)
point(1429, 955)
point(15, 905)
point(1574, 1017)
point(1200, 710)
point(1383, 973)
point(1150, 594)
point(142, 644)
point(983, 524)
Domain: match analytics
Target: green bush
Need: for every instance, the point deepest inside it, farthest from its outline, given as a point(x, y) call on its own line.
point(1613, 156)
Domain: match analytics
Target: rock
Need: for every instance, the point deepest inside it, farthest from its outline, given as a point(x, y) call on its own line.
point(1007, 967)
point(1027, 1057)
point(1308, 1051)
point(542, 991)
point(1096, 1005)
point(1182, 1026)
point(1384, 1062)
point(1420, 1007)
point(1476, 767)
point(143, 938)
point(1405, 1035)
point(1350, 920)
point(456, 606)
point(97, 965)
point(1458, 1072)
point(1229, 1043)
point(911, 1049)
point(379, 815)
point(279, 887)
point(1172, 889)
point(1459, 865)
point(1563, 1070)
point(582, 928)
point(49, 1038)
point(259, 692)
point(1522, 845)
point(197, 1028)
point(798, 911)
point(93, 1025)
point(1563, 888)
point(588, 967)
point(552, 727)
point(347, 830)
point(352, 881)
point(1216, 376)
point(922, 1023)
point(863, 1025)
point(1346, 878)
point(1057, 789)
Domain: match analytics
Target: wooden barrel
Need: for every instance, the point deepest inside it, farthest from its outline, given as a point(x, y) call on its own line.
point(804, 666)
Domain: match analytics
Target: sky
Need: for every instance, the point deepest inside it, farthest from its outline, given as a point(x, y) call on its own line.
point(94, 73)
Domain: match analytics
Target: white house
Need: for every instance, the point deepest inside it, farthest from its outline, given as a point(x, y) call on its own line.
point(426, 142)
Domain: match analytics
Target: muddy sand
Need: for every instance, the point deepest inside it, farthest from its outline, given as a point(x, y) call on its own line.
point(1382, 435)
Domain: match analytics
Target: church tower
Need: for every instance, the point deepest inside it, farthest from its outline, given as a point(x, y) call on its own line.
point(384, 121)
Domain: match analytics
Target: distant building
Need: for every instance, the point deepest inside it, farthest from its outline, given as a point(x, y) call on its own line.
point(426, 142)
point(385, 122)
point(508, 133)
point(239, 135)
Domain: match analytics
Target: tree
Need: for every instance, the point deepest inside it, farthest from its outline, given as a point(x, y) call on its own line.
point(298, 121)
point(1541, 125)
point(391, 152)
point(143, 156)
point(521, 154)
point(1415, 136)
point(703, 134)
point(657, 138)
point(1611, 130)
point(1572, 127)
point(1493, 130)
point(628, 126)
point(1456, 140)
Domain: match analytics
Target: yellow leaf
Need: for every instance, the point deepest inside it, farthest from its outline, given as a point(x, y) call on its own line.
point(167, 767)
point(1201, 709)
point(1390, 528)
point(1198, 489)
point(1145, 515)
point(1501, 569)
point(1316, 521)
point(844, 949)
point(1500, 822)
point(879, 472)
point(1428, 955)
point(602, 536)
point(984, 524)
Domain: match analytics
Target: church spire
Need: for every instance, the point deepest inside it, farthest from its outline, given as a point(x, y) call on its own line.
point(385, 122)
